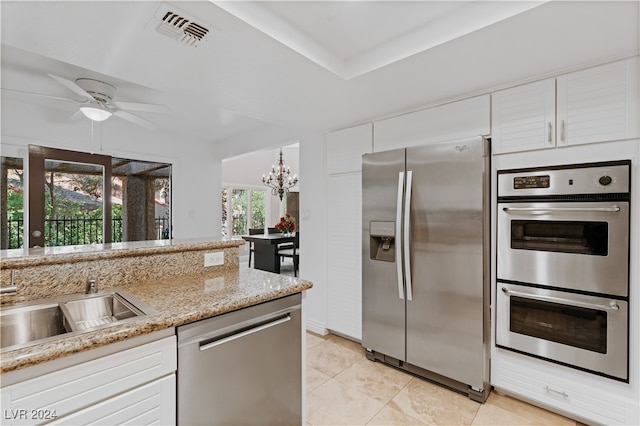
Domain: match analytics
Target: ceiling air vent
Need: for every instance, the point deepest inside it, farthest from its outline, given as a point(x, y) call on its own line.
point(177, 25)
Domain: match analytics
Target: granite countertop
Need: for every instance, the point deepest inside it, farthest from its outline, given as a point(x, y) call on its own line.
point(16, 258)
point(178, 300)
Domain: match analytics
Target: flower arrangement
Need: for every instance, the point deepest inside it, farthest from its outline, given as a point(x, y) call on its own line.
point(286, 225)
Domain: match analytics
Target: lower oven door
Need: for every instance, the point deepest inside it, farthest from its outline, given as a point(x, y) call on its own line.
point(576, 245)
point(581, 331)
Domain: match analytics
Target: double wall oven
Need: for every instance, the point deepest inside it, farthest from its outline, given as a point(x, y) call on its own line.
point(563, 265)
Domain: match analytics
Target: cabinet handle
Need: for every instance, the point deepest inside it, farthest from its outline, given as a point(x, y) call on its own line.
point(562, 131)
point(561, 393)
point(204, 347)
point(550, 131)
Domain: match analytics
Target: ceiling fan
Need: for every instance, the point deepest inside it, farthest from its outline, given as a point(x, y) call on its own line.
point(97, 101)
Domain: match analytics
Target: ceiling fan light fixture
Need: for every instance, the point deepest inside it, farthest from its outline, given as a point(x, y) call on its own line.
point(95, 113)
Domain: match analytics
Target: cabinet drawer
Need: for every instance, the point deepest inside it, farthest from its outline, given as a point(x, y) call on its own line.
point(82, 385)
point(153, 403)
point(552, 390)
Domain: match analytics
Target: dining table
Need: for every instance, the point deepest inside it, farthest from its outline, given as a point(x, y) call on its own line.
point(265, 250)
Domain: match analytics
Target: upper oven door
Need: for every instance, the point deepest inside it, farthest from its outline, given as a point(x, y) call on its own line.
point(580, 246)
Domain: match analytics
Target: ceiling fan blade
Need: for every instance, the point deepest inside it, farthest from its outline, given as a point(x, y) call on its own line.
point(135, 119)
point(76, 116)
point(41, 95)
point(71, 86)
point(135, 106)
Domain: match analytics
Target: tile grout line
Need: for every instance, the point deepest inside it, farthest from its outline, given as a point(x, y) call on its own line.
point(397, 393)
point(487, 408)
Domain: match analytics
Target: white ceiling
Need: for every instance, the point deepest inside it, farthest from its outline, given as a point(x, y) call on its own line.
point(350, 38)
point(271, 71)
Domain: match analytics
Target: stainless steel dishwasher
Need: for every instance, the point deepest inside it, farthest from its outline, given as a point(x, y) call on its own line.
point(243, 367)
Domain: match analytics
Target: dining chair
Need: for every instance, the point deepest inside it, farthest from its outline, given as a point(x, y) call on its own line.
point(280, 246)
point(253, 231)
point(293, 252)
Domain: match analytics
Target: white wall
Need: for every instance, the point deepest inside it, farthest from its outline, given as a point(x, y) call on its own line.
point(196, 197)
point(313, 238)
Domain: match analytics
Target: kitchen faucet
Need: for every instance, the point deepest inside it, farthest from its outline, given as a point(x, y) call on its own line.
point(92, 287)
point(12, 289)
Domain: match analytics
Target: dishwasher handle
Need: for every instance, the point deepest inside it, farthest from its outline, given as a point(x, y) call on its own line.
point(222, 341)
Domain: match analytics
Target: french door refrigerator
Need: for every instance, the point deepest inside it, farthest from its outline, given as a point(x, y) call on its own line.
point(425, 262)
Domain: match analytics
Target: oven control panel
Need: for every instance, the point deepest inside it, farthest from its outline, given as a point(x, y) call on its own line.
point(605, 180)
point(595, 178)
point(526, 182)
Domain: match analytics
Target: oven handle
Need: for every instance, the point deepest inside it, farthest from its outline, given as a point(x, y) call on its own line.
point(613, 306)
point(535, 210)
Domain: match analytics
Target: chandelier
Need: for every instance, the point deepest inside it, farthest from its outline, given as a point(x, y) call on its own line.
point(279, 179)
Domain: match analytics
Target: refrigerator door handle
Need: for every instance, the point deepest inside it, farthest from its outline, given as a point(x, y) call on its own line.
point(407, 232)
point(398, 234)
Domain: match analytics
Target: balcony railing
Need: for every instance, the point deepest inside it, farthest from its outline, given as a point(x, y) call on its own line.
point(78, 230)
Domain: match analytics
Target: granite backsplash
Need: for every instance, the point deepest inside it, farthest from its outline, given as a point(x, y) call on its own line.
point(43, 273)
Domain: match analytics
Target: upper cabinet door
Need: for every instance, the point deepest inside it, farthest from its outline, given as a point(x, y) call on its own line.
point(454, 121)
point(598, 104)
point(523, 117)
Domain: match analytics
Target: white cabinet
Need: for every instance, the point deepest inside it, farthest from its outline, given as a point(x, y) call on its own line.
point(523, 117)
point(96, 389)
point(456, 120)
point(598, 104)
point(344, 257)
point(153, 403)
point(588, 397)
point(344, 214)
point(594, 105)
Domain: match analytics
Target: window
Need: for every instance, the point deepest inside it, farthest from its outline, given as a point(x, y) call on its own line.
point(67, 205)
point(12, 204)
point(242, 208)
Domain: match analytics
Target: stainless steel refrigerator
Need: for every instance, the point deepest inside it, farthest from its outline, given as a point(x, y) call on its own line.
point(425, 262)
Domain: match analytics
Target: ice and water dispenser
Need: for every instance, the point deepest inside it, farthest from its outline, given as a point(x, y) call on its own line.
point(382, 241)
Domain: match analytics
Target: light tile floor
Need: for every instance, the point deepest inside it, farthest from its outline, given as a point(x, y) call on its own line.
point(344, 388)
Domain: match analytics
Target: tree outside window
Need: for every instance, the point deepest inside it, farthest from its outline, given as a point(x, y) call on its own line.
point(258, 208)
point(239, 211)
point(242, 209)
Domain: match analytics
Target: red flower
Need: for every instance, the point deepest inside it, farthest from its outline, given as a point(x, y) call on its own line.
point(286, 223)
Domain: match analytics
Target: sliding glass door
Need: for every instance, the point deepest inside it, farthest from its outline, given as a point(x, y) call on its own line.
point(82, 198)
point(55, 179)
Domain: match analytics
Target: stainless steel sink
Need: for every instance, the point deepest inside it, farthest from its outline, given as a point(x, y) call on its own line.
point(30, 323)
point(98, 310)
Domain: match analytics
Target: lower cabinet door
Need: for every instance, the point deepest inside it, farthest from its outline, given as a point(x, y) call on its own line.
point(153, 403)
